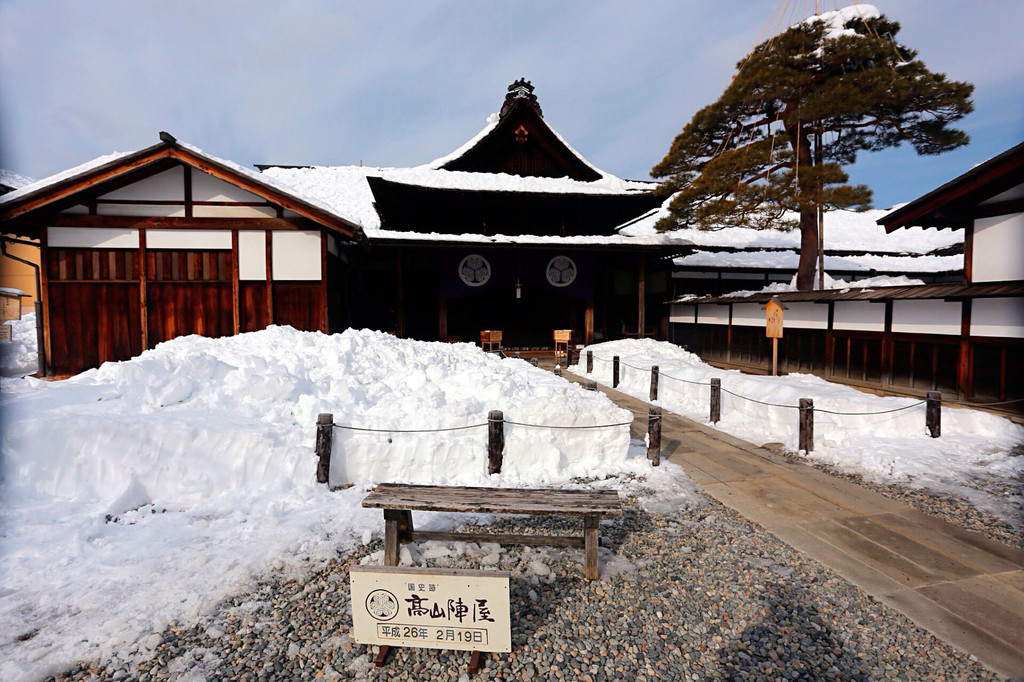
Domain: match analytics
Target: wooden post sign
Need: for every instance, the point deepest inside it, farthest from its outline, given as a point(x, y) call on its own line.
point(431, 608)
point(773, 329)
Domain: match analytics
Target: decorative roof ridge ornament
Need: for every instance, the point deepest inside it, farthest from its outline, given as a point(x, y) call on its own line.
point(522, 89)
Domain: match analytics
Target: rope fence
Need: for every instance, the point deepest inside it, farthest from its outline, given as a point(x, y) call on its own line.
point(805, 408)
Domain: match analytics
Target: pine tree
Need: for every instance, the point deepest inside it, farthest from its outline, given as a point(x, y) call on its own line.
point(799, 108)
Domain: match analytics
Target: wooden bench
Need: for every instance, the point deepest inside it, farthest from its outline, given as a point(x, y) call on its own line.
point(399, 501)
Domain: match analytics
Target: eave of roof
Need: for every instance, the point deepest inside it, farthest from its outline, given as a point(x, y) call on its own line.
point(943, 291)
point(922, 211)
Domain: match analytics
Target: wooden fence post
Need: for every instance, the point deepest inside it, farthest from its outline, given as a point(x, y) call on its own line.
point(324, 436)
point(591, 385)
point(654, 383)
point(495, 441)
point(590, 362)
point(716, 400)
point(933, 414)
point(654, 436)
point(806, 424)
point(615, 371)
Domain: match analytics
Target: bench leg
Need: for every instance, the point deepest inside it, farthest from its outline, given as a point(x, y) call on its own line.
point(392, 521)
point(590, 542)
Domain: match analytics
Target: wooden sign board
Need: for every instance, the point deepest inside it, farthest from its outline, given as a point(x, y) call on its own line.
point(6, 332)
point(563, 335)
point(431, 608)
point(10, 307)
point(773, 319)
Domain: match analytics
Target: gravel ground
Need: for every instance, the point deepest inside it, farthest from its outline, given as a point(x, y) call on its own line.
point(698, 594)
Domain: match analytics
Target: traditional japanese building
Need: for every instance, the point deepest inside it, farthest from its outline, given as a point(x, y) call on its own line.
point(514, 231)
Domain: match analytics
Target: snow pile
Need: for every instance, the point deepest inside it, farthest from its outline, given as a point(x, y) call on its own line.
point(146, 490)
point(19, 357)
point(976, 449)
point(9, 178)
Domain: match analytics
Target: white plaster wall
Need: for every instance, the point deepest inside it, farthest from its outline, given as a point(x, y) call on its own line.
point(748, 315)
point(141, 210)
point(252, 255)
point(713, 314)
point(805, 316)
point(205, 187)
point(296, 255)
point(998, 248)
point(188, 239)
point(92, 238)
point(1002, 317)
point(166, 186)
point(233, 212)
point(859, 316)
point(926, 317)
point(682, 313)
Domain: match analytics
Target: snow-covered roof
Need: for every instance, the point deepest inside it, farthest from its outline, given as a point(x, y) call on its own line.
point(13, 180)
point(787, 260)
point(112, 160)
point(346, 191)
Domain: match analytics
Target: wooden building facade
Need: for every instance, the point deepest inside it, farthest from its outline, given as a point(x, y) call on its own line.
point(965, 339)
point(143, 247)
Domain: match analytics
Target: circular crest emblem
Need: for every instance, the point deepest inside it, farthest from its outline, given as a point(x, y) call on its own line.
point(474, 270)
point(561, 271)
point(382, 605)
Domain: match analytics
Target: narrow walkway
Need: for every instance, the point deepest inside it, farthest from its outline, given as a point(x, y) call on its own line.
point(959, 585)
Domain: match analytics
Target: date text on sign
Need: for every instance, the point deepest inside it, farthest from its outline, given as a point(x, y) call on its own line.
point(433, 608)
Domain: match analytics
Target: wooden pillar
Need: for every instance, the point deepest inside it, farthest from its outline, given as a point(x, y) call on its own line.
point(588, 322)
point(641, 288)
point(591, 522)
point(829, 338)
point(236, 312)
point(44, 293)
point(323, 282)
point(887, 345)
point(324, 439)
point(143, 276)
point(270, 277)
point(964, 381)
point(399, 296)
point(442, 319)
point(495, 441)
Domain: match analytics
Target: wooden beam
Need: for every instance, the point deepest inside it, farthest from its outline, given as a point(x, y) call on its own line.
point(323, 282)
point(641, 286)
point(399, 296)
point(270, 277)
point(588, 322)
point(442, 318)
point(964, 380)
point(188, 192)
point(164, 222)
point(236, 312)
point(44, 286)
point(143, 303)
point(969, 254)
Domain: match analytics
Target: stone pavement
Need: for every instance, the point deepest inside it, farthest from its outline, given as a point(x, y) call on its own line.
point(959, 585)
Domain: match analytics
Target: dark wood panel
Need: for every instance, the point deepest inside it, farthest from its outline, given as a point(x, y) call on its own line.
point(92, 264)
point(180, 309)
point(252, 298)
point(299, 304)
point(93, 323)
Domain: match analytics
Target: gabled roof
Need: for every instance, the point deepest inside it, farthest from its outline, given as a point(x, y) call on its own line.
point(955, 204)
point(59, 190)
point(520, 143)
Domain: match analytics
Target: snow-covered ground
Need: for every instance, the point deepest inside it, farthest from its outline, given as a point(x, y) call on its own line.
point(977, 453)
point(18, 357)
point(147, 490)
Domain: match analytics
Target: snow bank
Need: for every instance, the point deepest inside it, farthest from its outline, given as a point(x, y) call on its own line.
point(975, 448)
point(19, 356)
point(146, 490)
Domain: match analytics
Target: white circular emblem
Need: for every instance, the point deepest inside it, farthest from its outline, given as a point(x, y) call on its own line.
point(474, 270)
point(561, 271)
point(382, 605)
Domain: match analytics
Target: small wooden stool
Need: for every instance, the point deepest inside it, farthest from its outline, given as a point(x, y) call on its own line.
point(489, 338)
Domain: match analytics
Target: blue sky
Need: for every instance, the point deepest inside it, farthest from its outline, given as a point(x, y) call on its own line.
point(401, 83)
